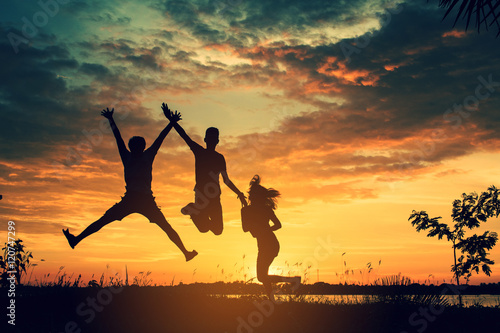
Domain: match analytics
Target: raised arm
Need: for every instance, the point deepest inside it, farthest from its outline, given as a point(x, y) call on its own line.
point(174, 118)
point(177, 127)
point(122, 149)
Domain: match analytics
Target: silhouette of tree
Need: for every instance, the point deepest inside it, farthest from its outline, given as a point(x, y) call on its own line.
point(485, 12)
point(467, 213)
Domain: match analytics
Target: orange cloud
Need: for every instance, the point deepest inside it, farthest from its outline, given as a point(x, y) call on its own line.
point(300, 54)
point(218, 47)
point(319, 87)
point(420, 49)
point(338, 69)
point(454, 33)
point(390, 68)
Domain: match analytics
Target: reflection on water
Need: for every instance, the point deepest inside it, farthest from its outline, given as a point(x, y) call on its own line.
point(467, 300)
point(472, 300)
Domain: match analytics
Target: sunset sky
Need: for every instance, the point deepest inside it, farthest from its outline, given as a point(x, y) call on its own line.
point(358, 112)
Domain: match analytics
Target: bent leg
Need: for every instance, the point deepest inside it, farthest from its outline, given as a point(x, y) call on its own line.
point(263, 263)
point(215, 213)
point(201, 221)
point(199, 212)
point(268, 250)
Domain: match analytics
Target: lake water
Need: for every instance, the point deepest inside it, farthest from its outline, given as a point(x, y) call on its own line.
point(467, 300)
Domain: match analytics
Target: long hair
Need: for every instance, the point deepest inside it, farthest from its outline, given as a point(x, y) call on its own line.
point(258, 193)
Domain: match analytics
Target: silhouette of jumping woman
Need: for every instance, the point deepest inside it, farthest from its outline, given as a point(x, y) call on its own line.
point(255, 219)
point(138, 198)
point(206, 211)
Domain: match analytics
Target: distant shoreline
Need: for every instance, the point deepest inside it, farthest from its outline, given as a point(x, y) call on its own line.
point(321, 288)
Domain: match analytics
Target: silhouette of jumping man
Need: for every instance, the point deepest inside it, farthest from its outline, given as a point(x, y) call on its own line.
point(206, 211)
point(138, 198)
point(255, 219)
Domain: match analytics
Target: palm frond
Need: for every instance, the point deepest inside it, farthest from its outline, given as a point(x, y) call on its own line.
point(485, 12)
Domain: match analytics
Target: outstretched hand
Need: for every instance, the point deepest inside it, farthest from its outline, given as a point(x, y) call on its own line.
point(172, 116)
point(166, 111)
point(175, 116)
point(107, 113)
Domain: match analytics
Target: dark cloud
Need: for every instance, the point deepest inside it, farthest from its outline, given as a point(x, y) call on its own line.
point(96, 70)
point(119, 46)
point(255, 20)
point(110, 19)
point(32, 91)
point(269, 15)
point(144, 60)
point(187, 15)
point(406, 78)
point(92, 9)
point(48, 97)
point(432, 72)
point(402, 122)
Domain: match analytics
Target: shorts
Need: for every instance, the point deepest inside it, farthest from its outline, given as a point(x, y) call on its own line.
point(136, 202)
point(210, 207)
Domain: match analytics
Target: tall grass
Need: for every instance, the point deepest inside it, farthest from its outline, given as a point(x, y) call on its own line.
point(394, 292)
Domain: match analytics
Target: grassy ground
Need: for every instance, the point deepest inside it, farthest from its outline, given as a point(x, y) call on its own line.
point(163, 309)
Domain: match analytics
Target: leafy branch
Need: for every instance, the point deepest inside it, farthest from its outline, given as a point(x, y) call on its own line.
point(467, 214)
